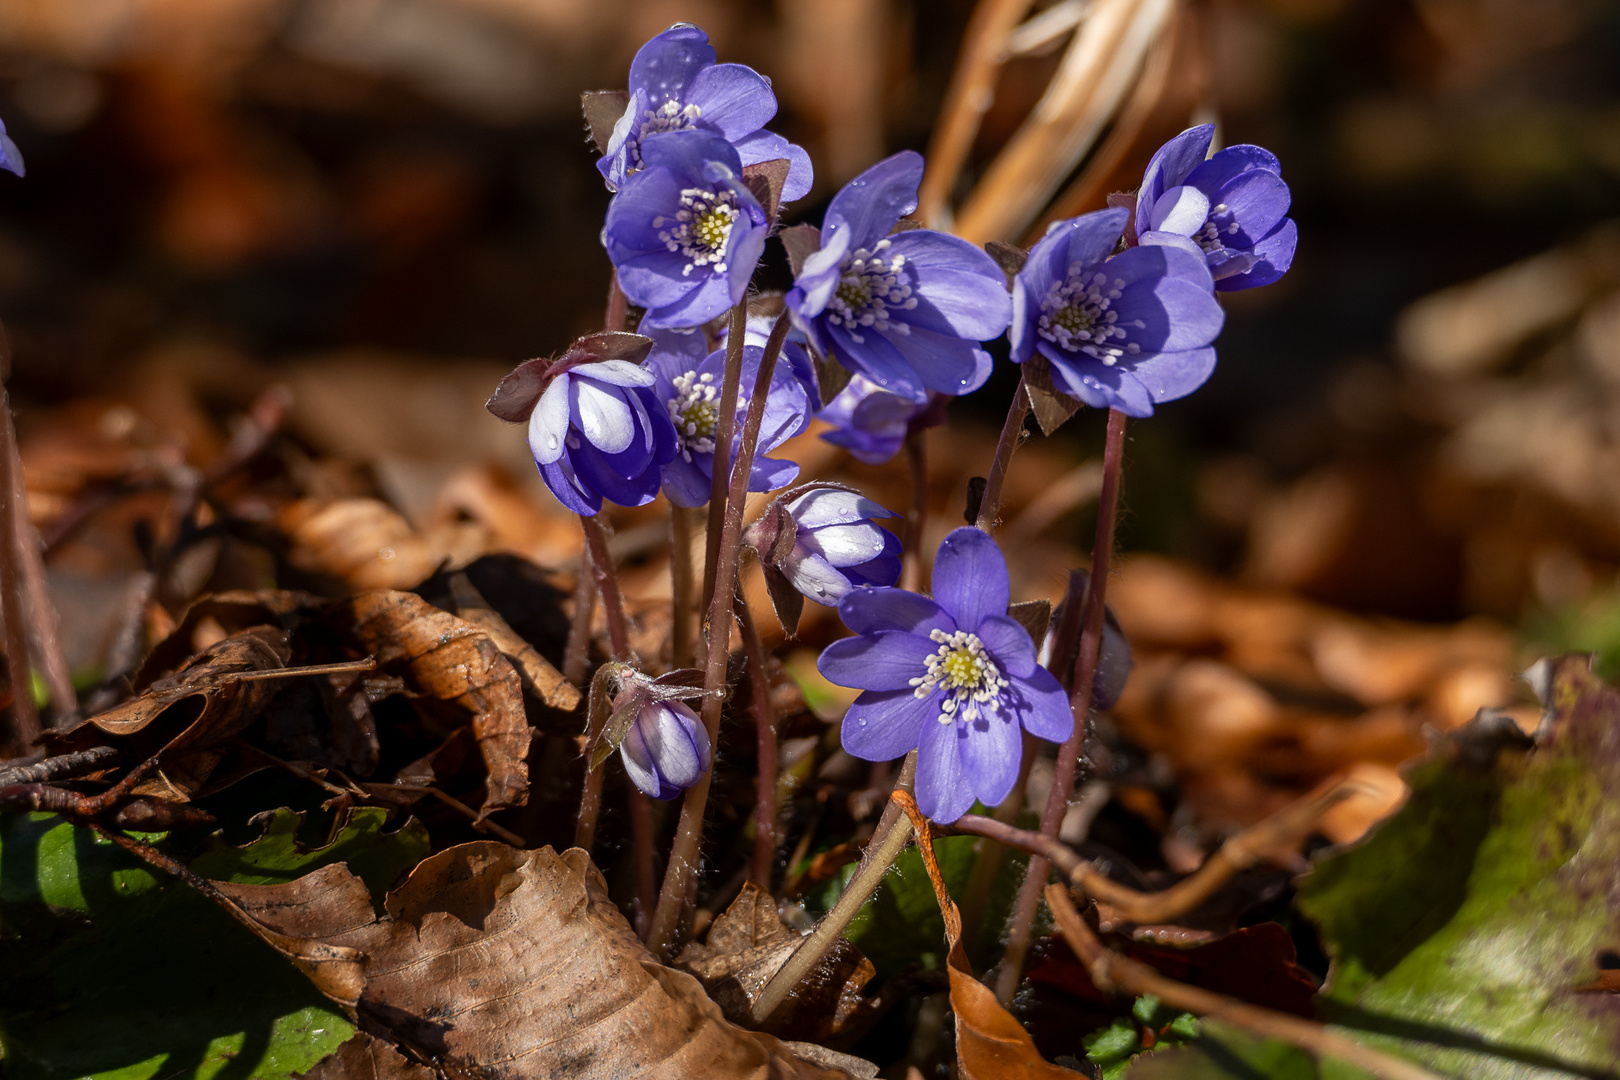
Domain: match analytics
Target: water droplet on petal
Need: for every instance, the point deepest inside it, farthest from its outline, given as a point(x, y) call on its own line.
point(551, 442)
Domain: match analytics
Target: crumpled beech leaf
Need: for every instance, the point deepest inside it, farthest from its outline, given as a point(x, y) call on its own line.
point(493, 962)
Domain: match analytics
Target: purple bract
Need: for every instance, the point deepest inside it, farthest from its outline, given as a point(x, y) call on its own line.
point(666, 749)
point(1124, 332)
point(688, 390)
point(676, 85)
point(951, 677)
point(599, 431)
point(685, 232)
point(1234, 206)
point(906, 310)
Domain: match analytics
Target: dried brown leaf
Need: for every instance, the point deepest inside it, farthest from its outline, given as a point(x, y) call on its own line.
point(494, 963)
point(365, 1057)
point(539, 675)
point(452, 660)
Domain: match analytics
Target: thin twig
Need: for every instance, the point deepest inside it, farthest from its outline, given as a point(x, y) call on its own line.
point(1085, 675)
point(730, 387)
point(1012, 436)
point(765, 736)
point(917, 516)
point(972, 89)
point(368, 664)
point(61, 767)
point(1121, 975)
point(24, 728)
point(892, 835)
point(44, 640)
point(680, 878)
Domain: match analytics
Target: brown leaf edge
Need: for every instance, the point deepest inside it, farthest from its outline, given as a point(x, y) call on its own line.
point(1051, 406)
point(602, 110)
point(990, 1044)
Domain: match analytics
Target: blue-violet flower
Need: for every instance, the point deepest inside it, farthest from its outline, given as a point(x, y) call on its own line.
point(1123, 332)
point(1234, 206)
point(675, 84)
point(688, 390)
point(685, 232)
point(11, 158)
point(907, 311)
point(599, 431)
point(868, 420)
point(952, 677)
point(666, 748)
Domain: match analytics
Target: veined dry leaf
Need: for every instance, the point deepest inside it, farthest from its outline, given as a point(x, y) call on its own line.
point(494, 962)
point(452, 660)
point(365, 1057)
point(190, 716)
point(745, 947)
point(367, 544)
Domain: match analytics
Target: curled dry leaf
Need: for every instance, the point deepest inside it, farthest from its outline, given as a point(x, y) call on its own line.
point(493, 962)
point(990, 1044)
point(191, 716)
point(366, 1057)
point(540, 676)
point(745, 947)
point(452, 660)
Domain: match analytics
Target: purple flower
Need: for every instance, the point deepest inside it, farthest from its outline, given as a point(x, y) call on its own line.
point(1123, 332)
point(688, 391)
point(823, 540)
point(666, 748)
point(685, 232)
point(951, 676)
point(907, 310)
point(675, 85)
point(11, 158)
point(599, 431)
point(1234, 206)
point(868, 420)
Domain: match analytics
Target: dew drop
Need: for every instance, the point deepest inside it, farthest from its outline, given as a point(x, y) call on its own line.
point(551, 442)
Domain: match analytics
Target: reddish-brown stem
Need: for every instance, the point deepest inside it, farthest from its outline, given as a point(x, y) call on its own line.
point(24, 728)
point(641, 833)
point(680, 878)
point(617, 305)
point(765, 730)
point(577, 653)
point(682, 524)
point(1085, 674)
point(607, 584)
point(912, 575)
point(1012, 434)
point(45, 644)
point(730, 386)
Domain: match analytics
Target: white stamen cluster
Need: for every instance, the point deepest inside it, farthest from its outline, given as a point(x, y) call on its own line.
point(1076, 315)
point(965, 674)
point(695, 409)
point(669, 116)
point(701, 228)
point(869, 286)
point(1209, 237)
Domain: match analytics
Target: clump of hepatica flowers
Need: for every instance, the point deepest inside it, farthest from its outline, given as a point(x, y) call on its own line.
point(951, 676)
point(596, 428)
point(1122, 331)
point(688, 389)
point(1234, 206)
point(675, 84)
point(906, 310)
point(685, 233)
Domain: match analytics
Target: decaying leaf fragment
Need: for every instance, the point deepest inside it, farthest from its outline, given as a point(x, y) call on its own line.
point(494, 962)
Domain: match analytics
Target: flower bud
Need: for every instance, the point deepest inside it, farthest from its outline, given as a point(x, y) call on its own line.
point(820, 541)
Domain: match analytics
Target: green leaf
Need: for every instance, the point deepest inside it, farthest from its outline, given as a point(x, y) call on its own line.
point(1113, 1043)
point(1144, 1008)
point(118, 972)
point(1222, 1052)
point(1462, 928)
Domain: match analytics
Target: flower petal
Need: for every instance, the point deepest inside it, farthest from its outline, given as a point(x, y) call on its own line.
point(656, 280)
point(667, 63)
point(603, 416)
point(548, 423)
point(943, 362)
point(734, 99)
point(1097, 384)
point(818, 579)
point(944, 785)
point(769, 146)
point(1275, 254)
point(1182, 209)
point(1170, 314)
point(970, 577)
point(1173, 375)
point(846, 545)
point(884, 570)
point(886, 660)
point(686, 481)
point(1171, 165)
point(1009, 644)
point(883, 724)
point(960, 289)
point(867, 611)
point(1040, 705)
point(832, 506)
point(565, 483)
point(615, 373)
point(689, 152)
point(869, 205)
point(991, 754)
point(1258, 201)
point(628, 228)
point(710, 297)
point(819, 276)
point(1225, 165)
point(876, 357)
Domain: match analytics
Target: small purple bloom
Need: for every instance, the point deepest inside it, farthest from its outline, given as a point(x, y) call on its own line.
point(1234, 206)
point(1124, 332)
point(685, 232)
point(676, 85)
point(599, 431)
point(11, 158)
point(834, 543)
point(868, 420)
point(952, 677)
point(666, 749)
point(907, 311)
point(688, 390)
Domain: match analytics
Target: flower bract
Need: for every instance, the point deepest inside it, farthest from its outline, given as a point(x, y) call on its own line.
point(1124, 331)
point(685, 232)
point(666, 749)
point(906, 310)
point(599, 431)
point(951, 676)
point(676, 85)
point(1234, 206)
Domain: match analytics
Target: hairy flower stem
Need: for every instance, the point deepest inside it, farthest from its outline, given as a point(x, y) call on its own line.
point(765, 729)
point(891, 837)
point(736, 331)
point(911, 577)
point(682, 526)
point(596, 565)
point(577, 653)
point(680, 878)
point(1012, 434)
point(17, 739)
point(1085, 674)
